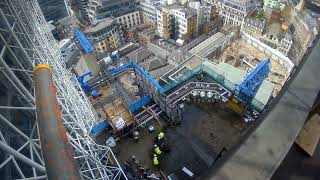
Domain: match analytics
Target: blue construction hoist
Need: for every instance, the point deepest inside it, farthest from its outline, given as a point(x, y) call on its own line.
point(251, 83)
point(85, 44)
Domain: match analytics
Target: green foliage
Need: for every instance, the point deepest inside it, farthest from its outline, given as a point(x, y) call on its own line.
point(260, 15)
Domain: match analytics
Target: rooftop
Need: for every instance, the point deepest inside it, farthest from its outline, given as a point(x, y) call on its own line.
point(187, 11)
point(103, 23)
point(207, 46)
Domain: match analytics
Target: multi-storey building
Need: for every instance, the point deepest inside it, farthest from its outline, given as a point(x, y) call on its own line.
point(254, 24)
point(168, 2)
point(106, 35)
point(204, 12)
point(99, 9)
point(305, 28)
point(272, 4)
point(176, 22)
point(54, 10)
point(234, 12)
point(130, 20)
point(216, 3)
point(162, 22)
point(148, 10)
point(278, 37)
point(80, 9)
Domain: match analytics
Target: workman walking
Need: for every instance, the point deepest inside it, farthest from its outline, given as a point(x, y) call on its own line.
point(157, 150)
point(155, 160)
point(160, 135)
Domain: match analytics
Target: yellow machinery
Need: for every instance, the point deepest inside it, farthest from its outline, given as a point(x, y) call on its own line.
point(236, 104)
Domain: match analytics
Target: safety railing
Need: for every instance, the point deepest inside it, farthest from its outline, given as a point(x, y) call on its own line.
point(218, 75)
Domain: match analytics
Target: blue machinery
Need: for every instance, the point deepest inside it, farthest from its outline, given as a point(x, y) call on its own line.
point(84, 84)
point(85, 44)
point(250, 85)
point(248, 88)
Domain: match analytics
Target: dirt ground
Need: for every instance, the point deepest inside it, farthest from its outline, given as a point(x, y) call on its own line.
point(205, 129)
point(142, 149)
point(239, 51)
point(219, 127)
point(127, 84)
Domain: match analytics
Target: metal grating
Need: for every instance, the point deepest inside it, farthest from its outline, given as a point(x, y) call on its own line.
point(25, 40)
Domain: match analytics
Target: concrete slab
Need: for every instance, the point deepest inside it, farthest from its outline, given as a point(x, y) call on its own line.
point(309, 135)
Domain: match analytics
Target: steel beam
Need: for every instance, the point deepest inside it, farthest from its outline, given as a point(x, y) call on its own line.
point(21, 157)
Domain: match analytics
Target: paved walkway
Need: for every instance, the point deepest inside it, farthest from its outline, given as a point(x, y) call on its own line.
point(260, 155)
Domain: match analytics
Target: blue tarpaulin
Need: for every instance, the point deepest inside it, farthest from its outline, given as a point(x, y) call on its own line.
point(138, 104)
point(84, 42)
point(98, 129)
point(121, 68)
point(147, 75)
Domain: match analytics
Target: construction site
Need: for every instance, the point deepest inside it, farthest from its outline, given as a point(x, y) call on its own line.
point(198, 105)
point(246, 57)
point(143, 112)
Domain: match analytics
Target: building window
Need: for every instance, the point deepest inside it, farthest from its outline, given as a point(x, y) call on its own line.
point(132, 16)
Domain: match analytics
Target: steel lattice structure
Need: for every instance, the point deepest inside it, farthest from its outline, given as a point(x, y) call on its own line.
point(25, 40)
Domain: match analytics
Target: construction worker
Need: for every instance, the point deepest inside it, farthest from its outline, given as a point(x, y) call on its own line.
point(155, 160)
point(160, 135)
point(157, 150)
